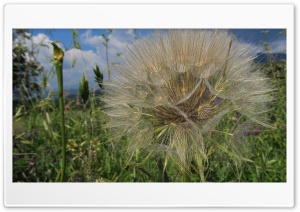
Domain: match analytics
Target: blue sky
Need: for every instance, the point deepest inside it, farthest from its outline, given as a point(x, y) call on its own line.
point(92, 51)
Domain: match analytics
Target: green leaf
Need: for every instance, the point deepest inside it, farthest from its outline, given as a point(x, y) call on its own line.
point(83, 143)
point(19, 136)
point(44, 81)
point(210, 151)
point(45, 125)
point(68, 126)
point(74, 121)
point(57, 179)
point(76, 44)
point(55, 135)
point(271, 162)
point(19, 111)
point(48, 118)
point(73, 62)
point(74, 33)
point(224, 149)
point(26, 142)
point(98, 76)
point(84, 89)
point(43, 103)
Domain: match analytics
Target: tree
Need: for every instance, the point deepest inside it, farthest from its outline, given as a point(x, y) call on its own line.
point(26, 70)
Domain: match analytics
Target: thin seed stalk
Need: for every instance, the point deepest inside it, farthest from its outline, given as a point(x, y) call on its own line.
point(58, 63)
point(201, 169)
point(85, 117)
point(84, 93)
point(108, 68)
point(185, 176)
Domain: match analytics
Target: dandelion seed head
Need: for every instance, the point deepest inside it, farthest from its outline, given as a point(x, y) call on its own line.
point(170, 90)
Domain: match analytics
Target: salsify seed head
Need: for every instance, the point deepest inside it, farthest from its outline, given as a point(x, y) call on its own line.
point(171, 89)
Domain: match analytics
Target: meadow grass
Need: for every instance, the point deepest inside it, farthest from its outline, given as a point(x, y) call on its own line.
point(93, 157)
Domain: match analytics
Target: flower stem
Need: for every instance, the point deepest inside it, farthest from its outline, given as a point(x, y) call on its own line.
point(58, 63)
point(163, 175)
point(185, 176)
point(201, 170)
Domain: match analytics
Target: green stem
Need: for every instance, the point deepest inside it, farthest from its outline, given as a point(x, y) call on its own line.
point(162, 175)
point(185, 176)
point(58, 63)
point(201, 170)
point(85, 117)
point(62, 124)
point(107, 62)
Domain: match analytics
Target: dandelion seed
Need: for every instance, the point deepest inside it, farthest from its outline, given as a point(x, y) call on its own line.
point(171, 90)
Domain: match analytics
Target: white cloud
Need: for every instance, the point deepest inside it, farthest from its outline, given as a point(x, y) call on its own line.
point(130, 32)
point(89, 39)
point(118, 41)
point(85, 61)
point(275, 47)
point(279, 46)
point(42, 48)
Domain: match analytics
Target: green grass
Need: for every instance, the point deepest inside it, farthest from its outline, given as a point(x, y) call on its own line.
point(93, 157)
